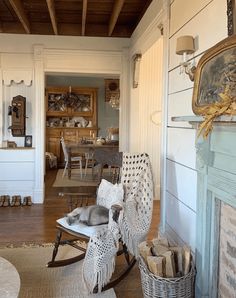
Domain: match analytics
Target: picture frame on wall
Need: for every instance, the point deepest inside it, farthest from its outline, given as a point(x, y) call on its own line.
point(214, 74)
point(28, 141)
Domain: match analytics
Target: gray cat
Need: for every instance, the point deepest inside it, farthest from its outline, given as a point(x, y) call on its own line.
point(90, 215)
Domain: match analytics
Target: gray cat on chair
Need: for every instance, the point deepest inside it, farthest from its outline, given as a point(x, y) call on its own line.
point(90, 215)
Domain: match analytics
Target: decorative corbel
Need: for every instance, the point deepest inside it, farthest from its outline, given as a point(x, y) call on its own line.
point(136, 66)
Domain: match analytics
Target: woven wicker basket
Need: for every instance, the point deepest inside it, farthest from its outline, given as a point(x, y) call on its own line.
point(158, 287)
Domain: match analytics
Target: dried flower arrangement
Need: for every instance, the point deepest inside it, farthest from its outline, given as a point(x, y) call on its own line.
point(226, 106)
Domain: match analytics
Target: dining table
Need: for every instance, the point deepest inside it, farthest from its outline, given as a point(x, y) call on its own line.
point(78, 147)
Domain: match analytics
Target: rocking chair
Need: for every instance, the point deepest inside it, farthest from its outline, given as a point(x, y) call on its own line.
point(130, 210)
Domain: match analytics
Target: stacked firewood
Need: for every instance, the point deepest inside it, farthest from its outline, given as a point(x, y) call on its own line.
point(164, 260)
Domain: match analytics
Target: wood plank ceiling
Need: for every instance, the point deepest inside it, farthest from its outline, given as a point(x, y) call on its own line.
point(115, 18)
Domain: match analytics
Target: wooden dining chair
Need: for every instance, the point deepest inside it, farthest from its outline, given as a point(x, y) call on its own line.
point(75, 160)
point(89, 161)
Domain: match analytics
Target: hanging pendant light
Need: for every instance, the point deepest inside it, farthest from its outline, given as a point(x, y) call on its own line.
point(115, 100)
point(112, 92)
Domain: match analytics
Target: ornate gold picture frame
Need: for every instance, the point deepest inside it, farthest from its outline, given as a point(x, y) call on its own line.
point(231, 14)
point(215, 73)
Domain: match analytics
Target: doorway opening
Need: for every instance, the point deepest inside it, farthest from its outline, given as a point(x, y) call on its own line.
point(91, 115)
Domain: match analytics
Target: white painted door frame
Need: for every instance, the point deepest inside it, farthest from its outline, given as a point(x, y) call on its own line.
point(76, 62)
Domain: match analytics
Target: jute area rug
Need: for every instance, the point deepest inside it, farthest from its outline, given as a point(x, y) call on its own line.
point(76, 179)
point(38, 281)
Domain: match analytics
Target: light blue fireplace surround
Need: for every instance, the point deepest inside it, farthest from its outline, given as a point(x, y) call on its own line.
point(216, 167)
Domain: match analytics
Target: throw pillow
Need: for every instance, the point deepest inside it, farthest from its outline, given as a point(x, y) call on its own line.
point(109, 194)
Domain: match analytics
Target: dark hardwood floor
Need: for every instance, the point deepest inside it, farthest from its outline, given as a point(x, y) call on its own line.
point(36, 223)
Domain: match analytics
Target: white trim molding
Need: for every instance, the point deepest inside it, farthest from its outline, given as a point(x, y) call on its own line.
point(142, 42)
point(81, 61)
point(17, 75)
point(124, 102)
point(164, 117)
point(39, 116)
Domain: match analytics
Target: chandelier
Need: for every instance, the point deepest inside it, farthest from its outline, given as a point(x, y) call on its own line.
point(115, 100)
point(70, 99)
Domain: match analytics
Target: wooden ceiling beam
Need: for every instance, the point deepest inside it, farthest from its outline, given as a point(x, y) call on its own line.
point(52, 13)
point(19, 10)
point(115, 14)
point(84, 14)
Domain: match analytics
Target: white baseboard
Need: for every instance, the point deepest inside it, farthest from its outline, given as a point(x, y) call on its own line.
point(38, 197)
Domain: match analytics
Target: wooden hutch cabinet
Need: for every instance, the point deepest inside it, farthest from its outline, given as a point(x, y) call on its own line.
point(70, 113)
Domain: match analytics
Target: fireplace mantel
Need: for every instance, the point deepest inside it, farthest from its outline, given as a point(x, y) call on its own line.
point(197, 119)
point(216, 168)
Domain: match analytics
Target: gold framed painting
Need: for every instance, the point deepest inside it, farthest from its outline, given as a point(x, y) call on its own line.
point(215, 73)
point(231, 14)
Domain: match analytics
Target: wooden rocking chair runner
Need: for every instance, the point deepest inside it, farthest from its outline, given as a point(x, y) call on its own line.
point(128, 226)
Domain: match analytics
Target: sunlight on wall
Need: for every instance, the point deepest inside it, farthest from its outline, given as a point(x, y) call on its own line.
point(148, 118)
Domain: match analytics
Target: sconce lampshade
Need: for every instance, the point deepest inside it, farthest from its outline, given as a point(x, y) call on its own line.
point(185, 44)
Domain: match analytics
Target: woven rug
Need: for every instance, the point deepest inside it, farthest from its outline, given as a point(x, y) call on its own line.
point(38, 281)
point(76, 179)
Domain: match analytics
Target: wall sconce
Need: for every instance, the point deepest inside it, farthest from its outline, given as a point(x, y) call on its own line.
point(115, 100)
point(136, 66)
point(184, 47)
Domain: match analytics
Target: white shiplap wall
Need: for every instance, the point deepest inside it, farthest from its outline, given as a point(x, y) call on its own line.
point(145, 128)
point(206, 21)
point(145, 115)
point(150, 107)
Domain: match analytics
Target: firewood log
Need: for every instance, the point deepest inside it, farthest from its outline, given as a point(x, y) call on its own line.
point(156, 265)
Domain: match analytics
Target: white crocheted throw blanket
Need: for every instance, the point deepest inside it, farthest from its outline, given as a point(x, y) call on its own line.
point(132, 226)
